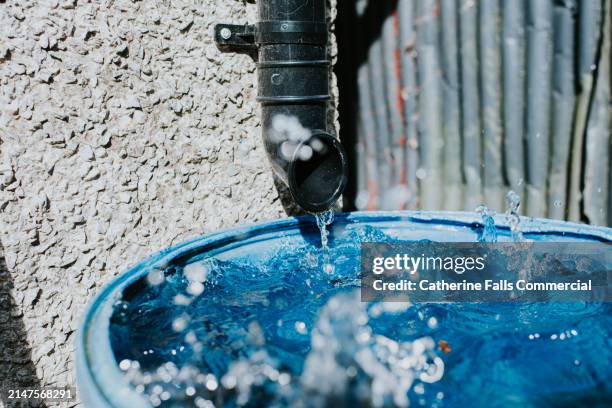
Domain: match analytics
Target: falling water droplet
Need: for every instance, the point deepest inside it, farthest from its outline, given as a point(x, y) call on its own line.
point(300, 327)
point(489, 233)
point(155, 277)
point(513, 201)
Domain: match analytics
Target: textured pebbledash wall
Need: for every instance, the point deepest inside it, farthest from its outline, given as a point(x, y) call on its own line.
point(123, 130)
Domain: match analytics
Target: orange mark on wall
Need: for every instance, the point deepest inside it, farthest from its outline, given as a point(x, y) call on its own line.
point(372, 195)
point(400, 99)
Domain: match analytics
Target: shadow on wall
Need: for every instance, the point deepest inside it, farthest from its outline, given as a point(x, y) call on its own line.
point(284, 195)
point(16, 366)
point(353, 47)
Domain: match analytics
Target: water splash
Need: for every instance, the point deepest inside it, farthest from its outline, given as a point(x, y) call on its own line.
point(346, 355)
point(259, 325)
point(513, 201)
point(489, 233)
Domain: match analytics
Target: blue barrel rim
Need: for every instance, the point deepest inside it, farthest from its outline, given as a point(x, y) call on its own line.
point(100, 307)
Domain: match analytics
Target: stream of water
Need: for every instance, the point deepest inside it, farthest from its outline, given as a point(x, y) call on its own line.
point(324, 220)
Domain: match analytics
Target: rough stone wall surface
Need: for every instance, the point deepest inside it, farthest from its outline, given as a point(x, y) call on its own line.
point(123, 130)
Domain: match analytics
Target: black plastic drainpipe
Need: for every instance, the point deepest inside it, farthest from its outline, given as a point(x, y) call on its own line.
point(289, 44)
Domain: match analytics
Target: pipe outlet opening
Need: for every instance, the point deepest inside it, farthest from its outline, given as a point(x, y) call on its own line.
point(317, 180)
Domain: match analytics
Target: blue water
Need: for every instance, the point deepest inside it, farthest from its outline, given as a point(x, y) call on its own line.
point(277, 330)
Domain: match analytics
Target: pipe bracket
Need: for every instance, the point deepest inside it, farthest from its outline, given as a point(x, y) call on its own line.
point(236, 38)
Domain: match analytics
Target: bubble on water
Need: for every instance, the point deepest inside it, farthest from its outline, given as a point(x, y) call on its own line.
point(381, 308)
point(181, 300)
point(256, 334)
point(203, 403)
point(329, 268)
point(351, 372)
point(191, 337)
point(120, 308)
point(180, 323)
point(300, 327)
point(253, 375)
point(211, 382)
point(419, 389)
point(284, 379)
point(229, 381)
point(432, 323)
point(195, 288)
point(121, 305)
point(125, 364)
point(155, 277)
point(553, 337)
point(196, 272)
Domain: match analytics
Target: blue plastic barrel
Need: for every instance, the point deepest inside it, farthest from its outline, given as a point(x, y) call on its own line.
point(101, 382)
